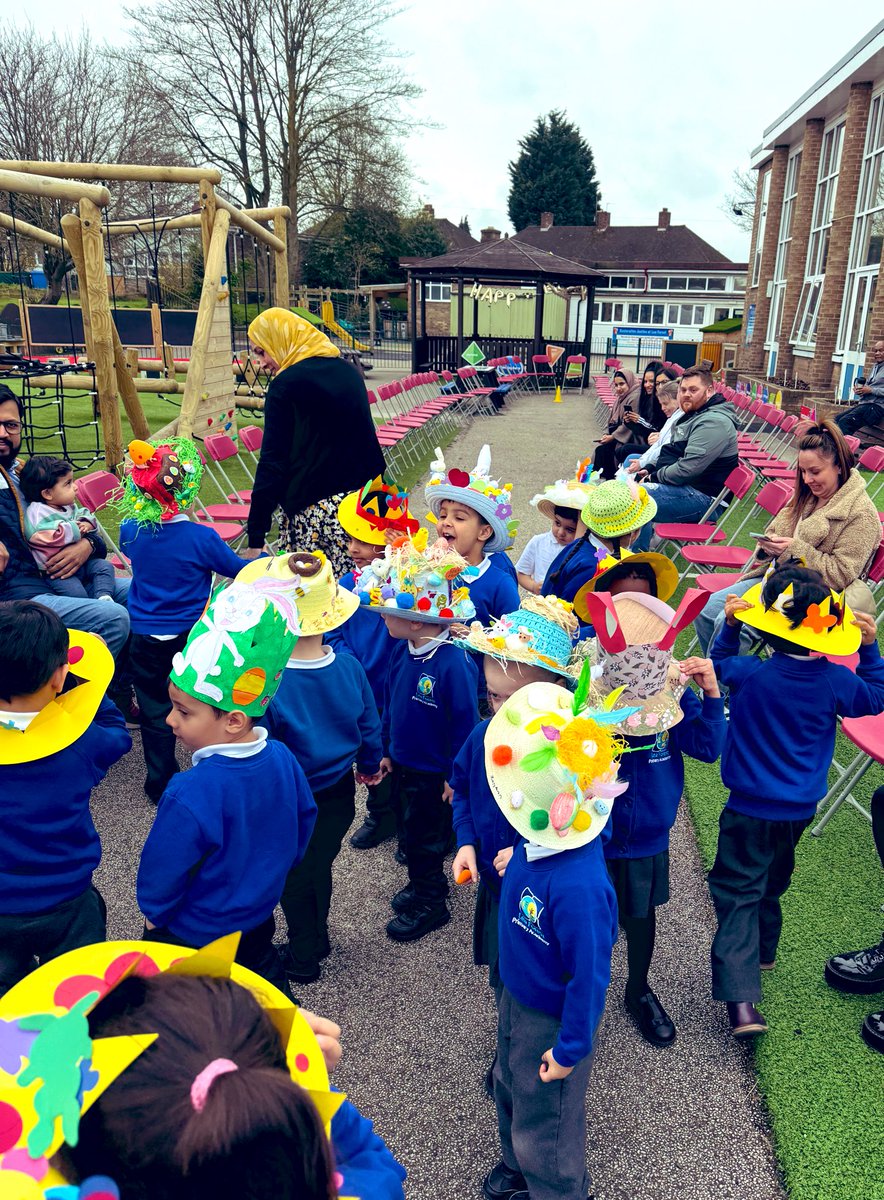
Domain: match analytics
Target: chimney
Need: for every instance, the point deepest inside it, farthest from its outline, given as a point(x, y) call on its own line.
point(429, 211)
point(663, 220)
point(546, 221)
point(602, 220)
point(490, 234)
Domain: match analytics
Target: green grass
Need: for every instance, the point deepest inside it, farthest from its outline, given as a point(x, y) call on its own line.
point(823, 1087)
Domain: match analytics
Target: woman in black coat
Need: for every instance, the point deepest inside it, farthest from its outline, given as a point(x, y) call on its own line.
point(319, 438)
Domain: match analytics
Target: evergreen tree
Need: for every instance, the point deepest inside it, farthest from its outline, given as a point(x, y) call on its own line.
point(554, 172)
point(421, 238)
point(464, 224)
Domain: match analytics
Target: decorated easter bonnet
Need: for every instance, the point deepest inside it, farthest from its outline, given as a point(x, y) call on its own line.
point(586, 472)
point(551, 764)
point(635, 636)
point(564, 493)
point(827, 627)
point(665, 572)
point(52, 1071)
point(162, 482)
point(493, 501)
point(69, 715)
point(422, 583)
point(237, 651)
point(539, 634)
point(617, 507)
point(376, 511)
point(321, 602)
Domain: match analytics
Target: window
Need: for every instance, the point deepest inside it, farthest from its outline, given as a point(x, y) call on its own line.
point(672, 318)
point(438, 291)
point(657, 314)
point(645, 317)
point(632, 314)
point(867, 239)
point(687, 313)
point(658, 283)
point(678, 283)
point(618, 312)
point(740, 282)
point(784, 242)
point(807, 314)
point(715, 285)
point(697, 283)
point(721, 314)
point(699, 314)
point(595, 312)
point(620, 281)
point(760, 226)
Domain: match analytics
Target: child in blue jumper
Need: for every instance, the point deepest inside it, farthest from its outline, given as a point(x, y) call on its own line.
point(371, 518)
point(227, 832)
point(779, 747)
point(53, 752)
point(324, 711)
point(637, 851)
point(558, 926)
point(173, 560)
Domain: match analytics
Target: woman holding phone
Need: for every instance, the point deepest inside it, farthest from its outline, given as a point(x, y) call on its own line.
point(830, 523)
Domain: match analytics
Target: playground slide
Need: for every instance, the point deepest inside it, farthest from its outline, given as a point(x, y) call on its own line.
point(328, 319)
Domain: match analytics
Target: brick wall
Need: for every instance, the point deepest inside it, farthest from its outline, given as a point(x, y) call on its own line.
point(820, 371)
point(751, 292)
point(753, 356)
point(802, 214)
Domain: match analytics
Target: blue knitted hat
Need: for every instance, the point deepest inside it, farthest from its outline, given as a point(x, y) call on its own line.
point(539, 634)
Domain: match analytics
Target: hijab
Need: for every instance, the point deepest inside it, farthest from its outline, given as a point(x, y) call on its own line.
point(630, 400)
point(288, 338)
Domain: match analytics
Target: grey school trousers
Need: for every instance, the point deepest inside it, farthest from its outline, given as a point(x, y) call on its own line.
point(542, 1125)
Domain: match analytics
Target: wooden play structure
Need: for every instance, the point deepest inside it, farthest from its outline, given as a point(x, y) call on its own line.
point(213, 383)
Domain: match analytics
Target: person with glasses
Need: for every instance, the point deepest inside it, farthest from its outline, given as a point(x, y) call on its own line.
point(20, 578)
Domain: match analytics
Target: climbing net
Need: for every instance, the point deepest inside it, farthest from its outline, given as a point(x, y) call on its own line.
point(56, 421)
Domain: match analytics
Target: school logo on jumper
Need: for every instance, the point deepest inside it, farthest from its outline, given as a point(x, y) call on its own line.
point(424, 690)
point(660, 749)
point(530, 910)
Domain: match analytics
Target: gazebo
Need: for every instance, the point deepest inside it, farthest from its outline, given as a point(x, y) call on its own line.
point(497, 267)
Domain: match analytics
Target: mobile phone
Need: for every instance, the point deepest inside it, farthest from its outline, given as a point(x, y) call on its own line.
point(758, 535)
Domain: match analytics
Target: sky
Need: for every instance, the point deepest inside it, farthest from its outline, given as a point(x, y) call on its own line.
point(671, 97)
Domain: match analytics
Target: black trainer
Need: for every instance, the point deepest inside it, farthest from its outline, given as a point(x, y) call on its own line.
point(372, 832)
point(296, 970)
point(503, 1184)
point(655, 1024)
point(417, 922)
point(873, 1031)
point(400, 856)
point(860, 971)
point(404, 899)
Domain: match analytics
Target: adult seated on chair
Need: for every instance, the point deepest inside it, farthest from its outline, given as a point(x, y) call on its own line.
point(830, 523)
point(20, 578)
point(870, 410)
point(701, 453)
point(667, 396)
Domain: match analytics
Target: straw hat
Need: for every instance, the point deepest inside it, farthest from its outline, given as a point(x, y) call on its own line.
point(421, 583)
point(616, 507)
point(828, 627)
point(322, 604)
point(493, 501)
point(539, 634)
point(379, 507)
point(665, 572)
point(551, 766)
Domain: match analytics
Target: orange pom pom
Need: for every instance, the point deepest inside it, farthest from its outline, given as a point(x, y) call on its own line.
point(501, 756)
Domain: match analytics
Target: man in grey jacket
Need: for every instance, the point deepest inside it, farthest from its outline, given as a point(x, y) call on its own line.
point(698, 457)
point(870, 410)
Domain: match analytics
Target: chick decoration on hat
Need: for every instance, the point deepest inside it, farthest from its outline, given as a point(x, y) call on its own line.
point(236, 652)
point(162, 482)
point(309, 585)
point(826, 628)
point(493, 501)
point(378, 512)
point(635, 636)
point(52, 1071)
point(539, 634)
point(421, 582)
point(551, 763)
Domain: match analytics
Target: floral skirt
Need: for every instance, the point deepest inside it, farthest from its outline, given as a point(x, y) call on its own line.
point(317, 528)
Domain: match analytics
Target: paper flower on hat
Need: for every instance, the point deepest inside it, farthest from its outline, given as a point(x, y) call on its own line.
point(52, 1071)
point(164, 480)
point(490, 499)
point(423, 583)
point(552, 766)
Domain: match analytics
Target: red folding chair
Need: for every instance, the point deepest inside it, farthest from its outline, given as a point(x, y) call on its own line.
point(739, 483)
point(867, 734)
point(771, 498)
point(96, 491)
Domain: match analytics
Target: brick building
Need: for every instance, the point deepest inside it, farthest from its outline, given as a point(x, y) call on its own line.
point(813, 305)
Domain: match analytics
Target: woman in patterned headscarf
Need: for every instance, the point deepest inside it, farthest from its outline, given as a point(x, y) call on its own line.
point(319, 437)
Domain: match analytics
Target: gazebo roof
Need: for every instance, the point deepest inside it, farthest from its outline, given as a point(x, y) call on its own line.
point(506, 259)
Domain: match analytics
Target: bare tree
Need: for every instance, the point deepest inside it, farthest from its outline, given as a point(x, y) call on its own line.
point(65, 99)
point(739, 203)
point(277, 92)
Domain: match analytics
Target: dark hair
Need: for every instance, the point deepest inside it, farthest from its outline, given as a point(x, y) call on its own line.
point(808, 587)
point(566, 514)
point(33, 644)
point(7, 394)
point(42, 472)
point(826, 439)
point(699, 373)
point(258, 1134)
point(627, 570)
point(622, 376)
point(667, 371)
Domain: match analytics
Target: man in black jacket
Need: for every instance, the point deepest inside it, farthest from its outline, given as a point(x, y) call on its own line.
point(20, 579)
point(870, 410)
point(699, 456)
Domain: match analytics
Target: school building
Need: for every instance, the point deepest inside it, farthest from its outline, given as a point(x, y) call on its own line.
point(813, 305)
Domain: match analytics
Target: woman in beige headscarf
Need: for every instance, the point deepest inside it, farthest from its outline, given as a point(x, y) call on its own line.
point(319, 438)
point(627, 397)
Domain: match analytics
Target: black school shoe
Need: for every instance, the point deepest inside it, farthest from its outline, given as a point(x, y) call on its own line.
point(503, 1184)
point(860, 971)
point(372, 832)
point(400, 856)
point(872, 1031)
point(404, 899)
point(298, 971)
point(418, 921)
point(654, 1023)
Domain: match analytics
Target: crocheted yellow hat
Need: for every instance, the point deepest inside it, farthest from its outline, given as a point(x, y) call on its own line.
point(616, 508)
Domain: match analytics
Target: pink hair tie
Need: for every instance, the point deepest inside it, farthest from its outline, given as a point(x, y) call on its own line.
point(199, 1089)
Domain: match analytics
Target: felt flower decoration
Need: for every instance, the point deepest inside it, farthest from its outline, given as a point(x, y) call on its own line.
point(504, 511)
point(817, 620)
